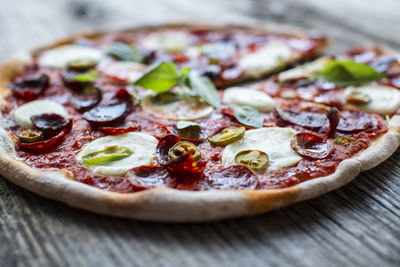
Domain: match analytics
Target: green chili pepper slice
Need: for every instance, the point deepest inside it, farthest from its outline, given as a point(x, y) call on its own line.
point(254, 159)
point(110, 153)
point(227, 136)
point(345, 141)
point(184, 147)
point(30, 136)
point(188, 129)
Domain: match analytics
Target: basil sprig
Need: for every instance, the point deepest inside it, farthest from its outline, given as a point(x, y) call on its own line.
point(349, 72)
point(205, 88)
point(125, 52)
point(248, 116)
point(162, 77)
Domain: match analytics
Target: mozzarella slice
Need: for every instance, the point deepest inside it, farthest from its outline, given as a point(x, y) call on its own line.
point(23, 114)
point(59, 57)
point(384, 100)
point(142, 145)
point(270, 57)
point(305, 70)
point(169, 41)
point(122, 70)
point(273, 141)
point(186, 107)
point(242, 96)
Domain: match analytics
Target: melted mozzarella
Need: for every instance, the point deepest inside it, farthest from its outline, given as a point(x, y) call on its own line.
point(59, 57)
point(384, 100)
point(274, 141)
point(185, 108)
point(142, 145)
point(305, 70)
point(23, 114)
point(170, 41)
point(122, 70)
point(242, 96)
point(267, 59)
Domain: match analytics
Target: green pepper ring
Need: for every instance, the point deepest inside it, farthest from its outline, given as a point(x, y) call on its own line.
point(254, 162)
point(184, 145)
point(238, 133)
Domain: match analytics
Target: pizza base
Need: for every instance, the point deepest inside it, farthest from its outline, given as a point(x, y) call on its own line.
point(171, 205)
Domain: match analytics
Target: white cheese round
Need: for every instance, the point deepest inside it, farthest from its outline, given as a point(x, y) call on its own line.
point(122, 70)
point(59, 57)
point(186, 107)
point(268, 58)
point(142, 145)
point(242, 96)
point(304, 71)
point(273, 141)
point(169, 41)
point(384, 100)
point(23, 114)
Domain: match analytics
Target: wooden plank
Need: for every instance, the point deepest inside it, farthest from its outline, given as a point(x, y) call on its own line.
point(355, 225)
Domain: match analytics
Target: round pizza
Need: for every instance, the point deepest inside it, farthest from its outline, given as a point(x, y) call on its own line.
point(131, 123)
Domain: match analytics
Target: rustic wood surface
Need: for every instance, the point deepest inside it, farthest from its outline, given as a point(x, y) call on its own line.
point(357, 225)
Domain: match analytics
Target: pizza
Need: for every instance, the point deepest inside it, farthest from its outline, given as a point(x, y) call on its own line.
point(131, 123)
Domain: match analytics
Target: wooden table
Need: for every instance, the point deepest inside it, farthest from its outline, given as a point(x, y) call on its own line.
point(356, 225)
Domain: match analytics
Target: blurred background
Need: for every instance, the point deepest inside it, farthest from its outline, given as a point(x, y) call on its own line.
point(29, 23)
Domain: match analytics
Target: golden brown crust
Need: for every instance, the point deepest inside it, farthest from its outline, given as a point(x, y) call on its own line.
point(165, 204)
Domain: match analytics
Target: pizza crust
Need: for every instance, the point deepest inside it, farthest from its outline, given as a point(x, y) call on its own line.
point(171, 205)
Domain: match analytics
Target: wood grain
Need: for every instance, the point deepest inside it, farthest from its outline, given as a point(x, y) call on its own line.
point(357, 225)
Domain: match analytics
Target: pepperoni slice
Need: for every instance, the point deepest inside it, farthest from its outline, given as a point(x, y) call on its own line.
point(356, 121)
point(49, 122)
point(144, 177)
point(86, 98)
point(186, 168)
point(123, 95)
point(107, 114)
point(233, 178)
point(333, 116)
point(30, 86)
point(228, 112)
point(163, 147)
point(130, 127)
point(309, 120)
point(44, 145)
point(311, 145)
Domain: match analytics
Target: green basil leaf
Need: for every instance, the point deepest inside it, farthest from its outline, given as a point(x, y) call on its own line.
point(248, 116)
point(348, 72)
point(184, 75)
point(125, 52)
point(86, 76)
point(205, 88)
point(160, 78)
point(110, 153)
